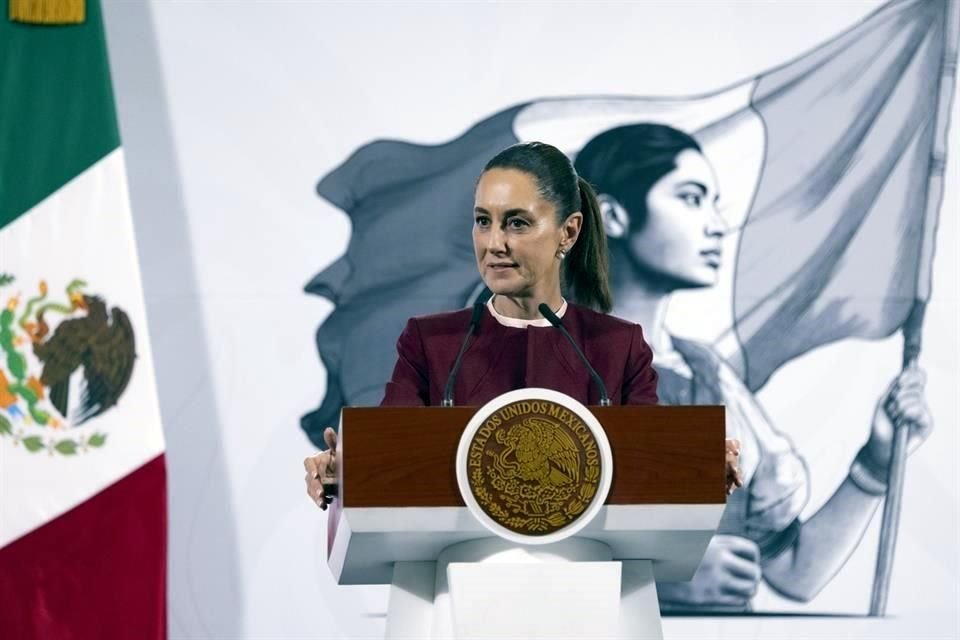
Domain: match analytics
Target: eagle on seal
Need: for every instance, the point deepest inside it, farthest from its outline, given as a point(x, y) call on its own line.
point(542, 452)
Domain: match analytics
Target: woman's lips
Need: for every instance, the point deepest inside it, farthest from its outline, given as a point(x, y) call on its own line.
point(712, 257)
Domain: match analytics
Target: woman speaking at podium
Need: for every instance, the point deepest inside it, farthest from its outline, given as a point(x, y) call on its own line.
point(537, 232)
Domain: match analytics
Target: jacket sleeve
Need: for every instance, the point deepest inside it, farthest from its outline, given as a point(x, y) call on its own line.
point(409, 386)
point(640, 379)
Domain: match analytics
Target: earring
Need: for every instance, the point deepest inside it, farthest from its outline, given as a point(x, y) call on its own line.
point(562, 253)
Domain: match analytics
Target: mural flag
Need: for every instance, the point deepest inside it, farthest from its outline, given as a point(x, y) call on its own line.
point(838, 240)
point(823, 164)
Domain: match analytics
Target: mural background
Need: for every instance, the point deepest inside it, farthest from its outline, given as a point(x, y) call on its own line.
point(231, 111)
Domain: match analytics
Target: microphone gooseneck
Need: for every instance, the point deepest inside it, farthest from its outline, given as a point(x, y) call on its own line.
point(474, 325)
point(555, 321)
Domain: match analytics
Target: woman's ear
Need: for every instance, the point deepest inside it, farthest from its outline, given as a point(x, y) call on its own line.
point(571, 229)
point(616, 220)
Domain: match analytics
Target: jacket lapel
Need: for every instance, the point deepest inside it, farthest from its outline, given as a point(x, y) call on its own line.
point(484, 353)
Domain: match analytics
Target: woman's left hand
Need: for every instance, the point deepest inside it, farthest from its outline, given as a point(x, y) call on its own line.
point(904, 403)
point(733, 475)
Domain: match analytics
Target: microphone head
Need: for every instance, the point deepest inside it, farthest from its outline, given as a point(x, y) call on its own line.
point(548, 313)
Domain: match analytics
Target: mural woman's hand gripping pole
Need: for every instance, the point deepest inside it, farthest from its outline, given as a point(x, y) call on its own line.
point(901, 422)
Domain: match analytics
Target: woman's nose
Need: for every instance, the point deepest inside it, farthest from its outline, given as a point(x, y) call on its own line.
point(716, 225)
point(496, 240)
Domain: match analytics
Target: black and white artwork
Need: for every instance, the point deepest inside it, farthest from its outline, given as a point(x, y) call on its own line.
point(749, 226)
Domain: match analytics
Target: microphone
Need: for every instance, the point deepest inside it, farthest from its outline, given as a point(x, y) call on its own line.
point(474, 326)
point(555, 321)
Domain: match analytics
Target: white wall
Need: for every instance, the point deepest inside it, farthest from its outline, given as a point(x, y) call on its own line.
point(231, 111)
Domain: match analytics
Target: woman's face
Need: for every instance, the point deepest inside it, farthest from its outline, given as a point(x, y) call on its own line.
point(681, 240)
point(516, 237)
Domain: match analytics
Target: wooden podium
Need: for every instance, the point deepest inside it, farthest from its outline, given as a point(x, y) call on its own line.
point(399, 519)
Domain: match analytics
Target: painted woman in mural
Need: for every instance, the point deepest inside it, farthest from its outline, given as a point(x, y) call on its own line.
point(658, 194)
point(832, 168)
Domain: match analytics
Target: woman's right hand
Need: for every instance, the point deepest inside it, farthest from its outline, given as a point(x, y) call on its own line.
point(320, 466)
point(728, 577)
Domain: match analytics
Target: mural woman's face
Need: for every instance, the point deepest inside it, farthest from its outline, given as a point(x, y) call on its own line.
point(681, 240)
point(516, 236)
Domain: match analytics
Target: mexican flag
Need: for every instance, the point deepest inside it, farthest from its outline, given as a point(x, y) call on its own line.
point(83, 524)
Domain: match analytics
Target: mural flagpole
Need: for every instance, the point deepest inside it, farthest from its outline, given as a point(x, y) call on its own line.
point(913, 327)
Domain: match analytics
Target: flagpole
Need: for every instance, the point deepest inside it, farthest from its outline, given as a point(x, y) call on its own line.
point(912, 334)
point(913, 327)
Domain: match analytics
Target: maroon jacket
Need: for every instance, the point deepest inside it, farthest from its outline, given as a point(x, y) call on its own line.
point(502, 359)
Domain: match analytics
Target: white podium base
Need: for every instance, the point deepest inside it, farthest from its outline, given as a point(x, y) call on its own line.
point(493, 589)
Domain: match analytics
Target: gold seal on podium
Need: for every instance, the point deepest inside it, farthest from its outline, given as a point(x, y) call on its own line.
point(534, 464)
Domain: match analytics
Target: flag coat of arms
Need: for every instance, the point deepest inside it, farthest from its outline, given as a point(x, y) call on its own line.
point(82, 476)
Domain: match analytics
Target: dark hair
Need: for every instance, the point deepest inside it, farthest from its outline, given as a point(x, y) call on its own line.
point(585, 272)
point(625, 162)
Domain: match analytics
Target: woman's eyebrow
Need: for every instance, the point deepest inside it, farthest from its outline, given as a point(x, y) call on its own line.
point(506, 214)
point(693, 183)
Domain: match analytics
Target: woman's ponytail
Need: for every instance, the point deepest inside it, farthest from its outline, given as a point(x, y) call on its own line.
point(587, 271)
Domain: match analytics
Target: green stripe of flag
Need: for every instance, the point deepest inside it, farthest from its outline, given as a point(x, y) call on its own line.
point(56, 107)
